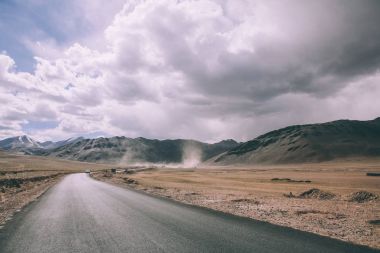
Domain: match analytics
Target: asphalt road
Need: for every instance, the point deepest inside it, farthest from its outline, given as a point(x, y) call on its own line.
point(80, 214)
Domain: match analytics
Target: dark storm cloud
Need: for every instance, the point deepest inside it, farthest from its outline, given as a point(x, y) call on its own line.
point(318, 63)
point(207, 70)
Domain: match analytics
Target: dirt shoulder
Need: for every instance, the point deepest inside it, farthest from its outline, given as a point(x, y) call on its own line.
point(15, 193)
point(24, 178)
point(342, 203)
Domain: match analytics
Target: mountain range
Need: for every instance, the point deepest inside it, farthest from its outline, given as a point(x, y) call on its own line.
point(339, 139)
point(120, 149)
point(139, 150)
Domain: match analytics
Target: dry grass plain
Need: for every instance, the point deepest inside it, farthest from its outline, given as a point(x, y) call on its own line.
point(10, 163)
point(251, 192)
point(246, 191)
point(25, 178)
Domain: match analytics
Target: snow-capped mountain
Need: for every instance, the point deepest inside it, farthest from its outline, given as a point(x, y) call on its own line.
point(19, 142)
point(27, 144)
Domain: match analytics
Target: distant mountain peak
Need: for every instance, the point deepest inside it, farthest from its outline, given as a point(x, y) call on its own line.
point(18, 143)
point(227, 141)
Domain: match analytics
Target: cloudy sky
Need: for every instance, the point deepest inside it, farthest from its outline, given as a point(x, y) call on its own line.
point(206, 70)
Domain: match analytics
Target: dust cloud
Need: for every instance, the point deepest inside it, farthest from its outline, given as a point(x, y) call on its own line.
point(191, 155)
point(191, 158)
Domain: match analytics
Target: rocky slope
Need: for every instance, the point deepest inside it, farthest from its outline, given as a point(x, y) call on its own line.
point(308, 143)
point(51, 144)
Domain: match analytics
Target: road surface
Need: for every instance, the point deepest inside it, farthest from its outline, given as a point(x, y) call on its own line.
point(80, 214)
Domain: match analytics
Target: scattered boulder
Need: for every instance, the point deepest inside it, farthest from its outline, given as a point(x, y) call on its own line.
point(11, 182)
point(373, 174)
point(300, 212)
point(107, 173)
point(191, 193)
point(281, 179)
point(289, 180)
point(290, 195)
point(374, 222)
point(130, 181)
point(250, 201)
point(129, 171)
point(363, 196)
point(317, 194)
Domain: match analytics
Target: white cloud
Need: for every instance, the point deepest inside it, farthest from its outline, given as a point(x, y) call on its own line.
point(199, 69)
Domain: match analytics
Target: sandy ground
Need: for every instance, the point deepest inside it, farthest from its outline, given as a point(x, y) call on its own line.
point(251, 192)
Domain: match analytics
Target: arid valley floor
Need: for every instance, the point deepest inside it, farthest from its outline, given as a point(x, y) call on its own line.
point(344, 203)
point(335, 199)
